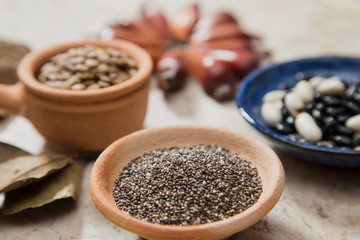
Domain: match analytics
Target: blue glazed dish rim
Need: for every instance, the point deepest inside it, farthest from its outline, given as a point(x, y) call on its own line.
point(272, 133)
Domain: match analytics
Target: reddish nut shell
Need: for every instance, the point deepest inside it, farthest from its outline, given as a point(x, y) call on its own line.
point(170, 71)
point(140, 33)
point(192, 59)
point(219, 31)
point(152, 15)
point(133, 36)
point(235, 44)
point(184, 21)
point(139, 26)
point(155, 52)
point(215, 19)
point(242, 62)
point(216, 77)
point(219, 53)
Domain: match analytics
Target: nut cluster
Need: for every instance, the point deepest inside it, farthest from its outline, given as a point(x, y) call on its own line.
point(187, 186)
point(86, 68)
point(215, 49)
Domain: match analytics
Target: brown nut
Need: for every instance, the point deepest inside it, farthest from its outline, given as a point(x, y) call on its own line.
point(217, 78)
point(134, 36)
point(219, 31)
point(192, 58)
point(184, 21)
point(215, 19)
point(242, 62)
point(155, 52)
point(139, 26)
point(170, 71)
point(153, 16)
point(235, 44)
point(139, 33)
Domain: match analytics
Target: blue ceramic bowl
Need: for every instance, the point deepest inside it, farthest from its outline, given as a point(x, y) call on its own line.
point(259, 82)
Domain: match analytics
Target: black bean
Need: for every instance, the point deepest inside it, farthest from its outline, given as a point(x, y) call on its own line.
point(329, 122)
point(334, 111)
point(352, 106)
point(317, 115)
point(317, 97)
point(342, 130)
point(284, 128)
point(333, 101)
point(343, 117)
point(343, 140)
point(351, 90)
point(284, 86)
point(356, 98)
point(309, 107)
point(290, 120)
point(346, 84)
point(320, 106)
point(284, 112)
point(303, 76)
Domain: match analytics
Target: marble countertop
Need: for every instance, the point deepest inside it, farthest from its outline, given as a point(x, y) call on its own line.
point(318, 202)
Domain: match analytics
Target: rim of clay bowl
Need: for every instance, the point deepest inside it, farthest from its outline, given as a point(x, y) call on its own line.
point(107, 167)
point(30, 64)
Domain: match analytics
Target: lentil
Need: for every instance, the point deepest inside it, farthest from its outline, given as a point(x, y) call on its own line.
point(83, 68)
point(187, 186)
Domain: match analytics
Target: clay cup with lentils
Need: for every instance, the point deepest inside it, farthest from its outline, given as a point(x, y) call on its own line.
point(87, 68)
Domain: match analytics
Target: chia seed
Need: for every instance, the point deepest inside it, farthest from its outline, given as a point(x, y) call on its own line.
point(187, 186)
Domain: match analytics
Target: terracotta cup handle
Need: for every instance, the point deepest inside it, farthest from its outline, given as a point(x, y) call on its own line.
point(11, 97)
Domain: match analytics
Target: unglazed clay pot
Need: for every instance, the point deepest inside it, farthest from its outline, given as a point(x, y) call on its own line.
point(120, 153)
point(82, 121)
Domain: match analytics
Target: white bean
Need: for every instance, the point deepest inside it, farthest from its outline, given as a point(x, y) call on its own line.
point(274, 96)
point(306, 126)
point(353, 122)
point(331, 86)
point(271, 112)
point(305, 91)
point(293, 103)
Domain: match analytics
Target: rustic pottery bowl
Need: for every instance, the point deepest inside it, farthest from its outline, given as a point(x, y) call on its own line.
point(259, 82)
point(83, 121)
point(121, 152)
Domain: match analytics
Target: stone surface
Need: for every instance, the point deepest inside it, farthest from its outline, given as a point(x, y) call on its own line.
point(319, 202)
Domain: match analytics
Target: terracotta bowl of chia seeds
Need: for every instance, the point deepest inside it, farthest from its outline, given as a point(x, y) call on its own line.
point(177, 183)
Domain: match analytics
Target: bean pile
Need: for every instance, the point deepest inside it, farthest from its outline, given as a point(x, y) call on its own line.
point(86, 68)
point(324, 111)
point(187, 186)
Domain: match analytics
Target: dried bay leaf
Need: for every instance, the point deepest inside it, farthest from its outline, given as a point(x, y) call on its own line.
point(22, 170)
point(7, 152)
point(62, 184)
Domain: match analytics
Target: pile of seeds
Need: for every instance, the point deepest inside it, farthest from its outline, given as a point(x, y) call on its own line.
point(187, 186)
point(88, 67)
point(318, 110)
